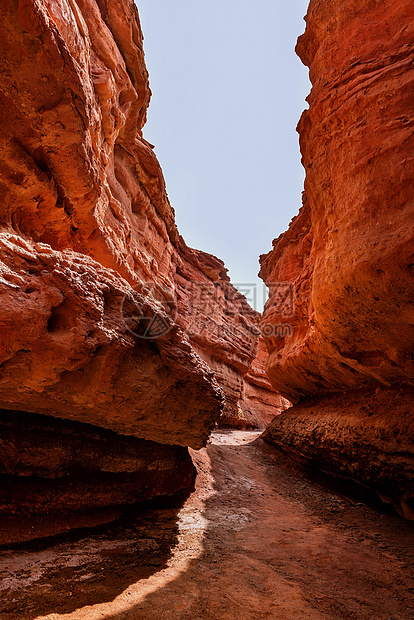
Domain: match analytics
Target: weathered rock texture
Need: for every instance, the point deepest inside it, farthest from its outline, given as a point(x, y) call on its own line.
point(97, 287)
point(49, 466)
point(219, 322)
point(350, 252)
point(364, 436)
point(85, 217)
point(223, 329)
point(261, 403)
point(66, 350)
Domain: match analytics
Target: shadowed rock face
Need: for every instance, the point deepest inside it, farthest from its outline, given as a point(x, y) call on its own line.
point(365, 436)
point(349, 252)
point(49, 466)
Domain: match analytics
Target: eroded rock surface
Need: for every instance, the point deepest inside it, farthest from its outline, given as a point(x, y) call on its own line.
point(106, 316)
point(50, 466)
point(261, 403)
point(349, 253)
point(67, 350)
point(224, 330)
point(85, 201)
point(369, 440)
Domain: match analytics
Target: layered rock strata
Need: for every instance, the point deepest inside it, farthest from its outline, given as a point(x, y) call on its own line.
point(369, 440)
point(85, 222)
point(224, 330)
point(72, 347)
point(98, 323)
point(341, 314)
point(261, 403)
point(49, 466)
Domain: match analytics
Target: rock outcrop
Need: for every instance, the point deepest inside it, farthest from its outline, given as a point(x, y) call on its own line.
point(107, 318)
point(85, 222)
point(223, 329)
point(219, 322)
point(341, 319)
point(71, 347)
point(50, 466)
point(261, 403)
point(365, 436)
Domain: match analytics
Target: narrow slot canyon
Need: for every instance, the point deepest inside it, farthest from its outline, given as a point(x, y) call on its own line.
point(167, 451)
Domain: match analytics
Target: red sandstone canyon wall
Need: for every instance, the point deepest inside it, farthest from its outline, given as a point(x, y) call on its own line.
point(261, 403)
point(349, 253)
point(224, 331)
point(107, 318)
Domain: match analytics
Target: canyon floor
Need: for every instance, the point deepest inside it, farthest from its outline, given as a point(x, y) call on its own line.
point(257, 538)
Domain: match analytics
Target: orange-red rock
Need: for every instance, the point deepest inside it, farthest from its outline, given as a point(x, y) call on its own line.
point(223, 329)
point(349, 254)
point(71, 348)
point(49, 466)
point(106, 316)
point(366, 436)
point(350, 251)
point(261, 403)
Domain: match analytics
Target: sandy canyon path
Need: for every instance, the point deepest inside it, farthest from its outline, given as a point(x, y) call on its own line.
point(256, 539)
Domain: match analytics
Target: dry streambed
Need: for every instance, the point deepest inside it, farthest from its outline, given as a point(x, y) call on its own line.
point(256, 539)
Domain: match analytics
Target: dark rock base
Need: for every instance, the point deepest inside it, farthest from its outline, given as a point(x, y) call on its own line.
point(364, 436)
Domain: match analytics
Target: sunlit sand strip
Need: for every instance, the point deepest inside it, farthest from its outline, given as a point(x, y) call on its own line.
point(191, 524)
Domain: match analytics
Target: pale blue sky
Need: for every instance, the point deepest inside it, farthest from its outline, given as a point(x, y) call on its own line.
point(228, 91)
